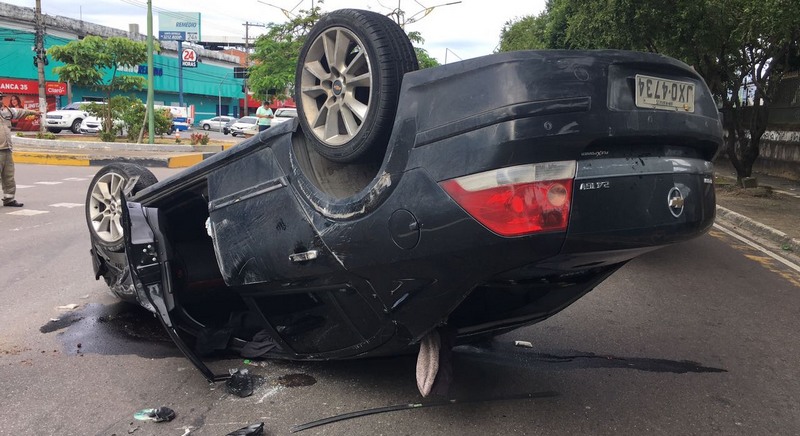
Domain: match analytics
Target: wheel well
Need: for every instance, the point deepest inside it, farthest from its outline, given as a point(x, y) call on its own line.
point(339, 180)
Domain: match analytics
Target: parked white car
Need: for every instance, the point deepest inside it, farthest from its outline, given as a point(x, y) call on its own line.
point(284, 114)
point(92, 124)
point(69, 117)
point(245, 126)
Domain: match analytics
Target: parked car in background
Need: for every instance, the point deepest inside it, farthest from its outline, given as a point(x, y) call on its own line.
point(244, 126)
point(69, 117)
point(284, 114)
point(216, 123)
point(92, 125)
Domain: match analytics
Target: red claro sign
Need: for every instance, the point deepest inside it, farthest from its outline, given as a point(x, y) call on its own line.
point(189, 58)
point(31, 87)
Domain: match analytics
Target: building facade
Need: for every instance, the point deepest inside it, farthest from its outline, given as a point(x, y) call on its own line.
point(210, 87)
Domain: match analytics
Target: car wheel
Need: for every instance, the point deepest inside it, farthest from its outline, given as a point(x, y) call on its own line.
point(53, 130)
point(206, 127)
point(348, 82)
point(76, 126)
point(103, 201)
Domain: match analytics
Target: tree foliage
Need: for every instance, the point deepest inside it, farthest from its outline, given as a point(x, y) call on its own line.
point(276, 54)
point(423, 58)
point(132, 112)
point(93, 62)
point(740, 47)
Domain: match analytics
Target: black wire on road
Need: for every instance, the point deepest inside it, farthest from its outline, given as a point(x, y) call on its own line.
point(396, 407)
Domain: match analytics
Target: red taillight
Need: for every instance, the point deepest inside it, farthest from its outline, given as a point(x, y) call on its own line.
point(518, 200)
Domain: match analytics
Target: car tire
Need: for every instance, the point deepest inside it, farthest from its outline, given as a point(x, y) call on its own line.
point(52, 130)
point(351, 122)
point(103, 201)
point(206, 127)
point(76, 126)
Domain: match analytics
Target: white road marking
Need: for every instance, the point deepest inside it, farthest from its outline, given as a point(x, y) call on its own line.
point(780, 259)
point(67, 205)
point(24, 186)
point(28, 212)
point(76, 179)
point(49, 183)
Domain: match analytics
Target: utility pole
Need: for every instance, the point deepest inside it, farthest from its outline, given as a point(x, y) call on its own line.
point(151, 118)
point(247, 25)
point(40, 58)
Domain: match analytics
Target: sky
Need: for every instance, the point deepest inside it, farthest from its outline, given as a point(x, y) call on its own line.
point(464, 30)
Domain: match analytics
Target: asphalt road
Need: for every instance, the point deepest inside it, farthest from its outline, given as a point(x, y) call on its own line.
point(697, 338)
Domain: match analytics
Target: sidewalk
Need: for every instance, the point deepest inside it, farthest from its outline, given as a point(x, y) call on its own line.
point(770, 213)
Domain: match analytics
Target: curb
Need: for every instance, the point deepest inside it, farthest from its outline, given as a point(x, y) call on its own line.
point(73, 159)
point(742, 223)
point(77, 153)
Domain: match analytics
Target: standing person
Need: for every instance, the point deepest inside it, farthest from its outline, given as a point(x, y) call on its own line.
point(264, 115)
point(6, 161)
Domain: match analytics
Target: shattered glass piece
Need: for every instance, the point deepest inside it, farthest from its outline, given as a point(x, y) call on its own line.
point(160, 414)
point(250, 430)
point(240, 383)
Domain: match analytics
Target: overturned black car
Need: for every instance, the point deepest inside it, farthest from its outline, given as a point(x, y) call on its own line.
point(483, 195)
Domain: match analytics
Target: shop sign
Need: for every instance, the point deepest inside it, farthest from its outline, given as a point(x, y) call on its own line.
point(189, 58)
point(31, 87)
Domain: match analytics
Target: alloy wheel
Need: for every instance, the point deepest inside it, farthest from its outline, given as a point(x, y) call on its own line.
point(105, 208)
point(336, 83)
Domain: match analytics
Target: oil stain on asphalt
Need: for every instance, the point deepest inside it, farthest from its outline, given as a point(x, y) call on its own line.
point(295, 380)
point(116, 329)
point(504, 355)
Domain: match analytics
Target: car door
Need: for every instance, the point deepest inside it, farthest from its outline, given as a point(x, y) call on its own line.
point(260, 232)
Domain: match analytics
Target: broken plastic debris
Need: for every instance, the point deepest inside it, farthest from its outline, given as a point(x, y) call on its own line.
point(160, 414)
point(250, 430)
point(72, 306)
point(524, 344)
point(240, 383)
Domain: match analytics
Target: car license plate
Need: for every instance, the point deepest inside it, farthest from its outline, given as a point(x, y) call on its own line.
point(657, 93)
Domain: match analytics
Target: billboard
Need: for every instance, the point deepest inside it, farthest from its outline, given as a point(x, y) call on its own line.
point(179, 26)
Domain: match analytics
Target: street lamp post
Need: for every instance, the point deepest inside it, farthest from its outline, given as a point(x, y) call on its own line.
point(219, 97)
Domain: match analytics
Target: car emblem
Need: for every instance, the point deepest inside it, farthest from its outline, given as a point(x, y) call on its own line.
point(675, 202)
point(338, 86)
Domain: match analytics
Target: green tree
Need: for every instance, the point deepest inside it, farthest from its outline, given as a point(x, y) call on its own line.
point(275, 54)
point(740, 47)
point(132, 113)
point(423, 58)
point(93, 62)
